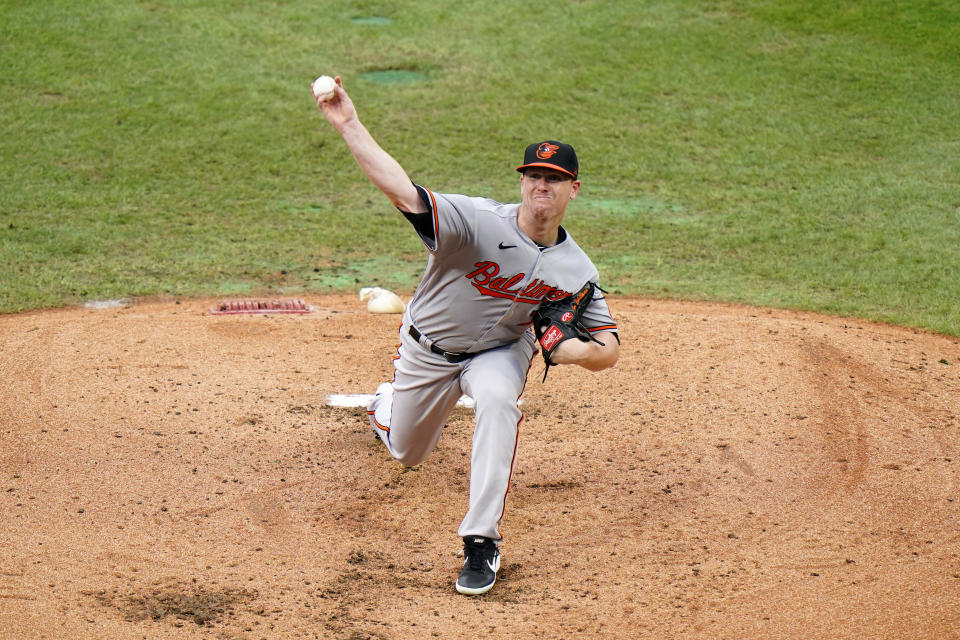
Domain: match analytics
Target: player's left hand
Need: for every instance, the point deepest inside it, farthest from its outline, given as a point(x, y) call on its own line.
point(557, 322)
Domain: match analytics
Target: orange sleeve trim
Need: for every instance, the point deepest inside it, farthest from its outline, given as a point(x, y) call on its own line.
point(609, 327)
point(436, 220)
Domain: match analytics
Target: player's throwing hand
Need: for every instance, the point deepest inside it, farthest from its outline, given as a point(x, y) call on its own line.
point(338, 109)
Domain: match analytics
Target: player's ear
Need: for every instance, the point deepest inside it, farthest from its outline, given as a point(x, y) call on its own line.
point(576, 188)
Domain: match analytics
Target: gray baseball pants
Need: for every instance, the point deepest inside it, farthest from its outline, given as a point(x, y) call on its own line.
point(410, 417)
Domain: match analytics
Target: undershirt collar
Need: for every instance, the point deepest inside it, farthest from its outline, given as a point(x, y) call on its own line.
point(561, 236)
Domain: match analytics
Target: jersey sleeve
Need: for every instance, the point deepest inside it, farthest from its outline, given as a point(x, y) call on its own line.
point(449, 223)
point(424, 223)
point(598, 318)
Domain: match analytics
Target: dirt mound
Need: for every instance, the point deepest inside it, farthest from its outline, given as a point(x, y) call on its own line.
point(167, 472)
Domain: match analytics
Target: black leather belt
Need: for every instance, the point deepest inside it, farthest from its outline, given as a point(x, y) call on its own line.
point(449, 356)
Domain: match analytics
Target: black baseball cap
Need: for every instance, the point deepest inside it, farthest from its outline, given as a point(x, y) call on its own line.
point(552, 155)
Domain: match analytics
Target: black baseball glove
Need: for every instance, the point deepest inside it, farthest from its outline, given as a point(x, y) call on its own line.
point(555, 321)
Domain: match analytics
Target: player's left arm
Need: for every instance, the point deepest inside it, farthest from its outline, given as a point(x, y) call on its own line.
point(597, 346)
point(589, 355)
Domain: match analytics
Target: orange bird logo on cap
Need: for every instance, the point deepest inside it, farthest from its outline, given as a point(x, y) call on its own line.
point(546, 150)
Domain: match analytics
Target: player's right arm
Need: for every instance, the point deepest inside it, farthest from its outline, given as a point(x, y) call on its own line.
point(382, 169)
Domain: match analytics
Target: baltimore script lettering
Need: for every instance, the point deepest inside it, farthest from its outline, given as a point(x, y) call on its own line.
point(486, 280)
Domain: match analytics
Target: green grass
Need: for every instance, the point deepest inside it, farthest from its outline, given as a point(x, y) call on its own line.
point(796, 154)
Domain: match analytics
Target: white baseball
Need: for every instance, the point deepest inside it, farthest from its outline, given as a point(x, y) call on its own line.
point(323, 87)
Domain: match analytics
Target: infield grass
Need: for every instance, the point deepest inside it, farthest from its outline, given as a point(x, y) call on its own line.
point(789, 154)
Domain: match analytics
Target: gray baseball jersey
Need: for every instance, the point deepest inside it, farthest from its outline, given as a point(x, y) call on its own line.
point(485, 276)
point(483, 279)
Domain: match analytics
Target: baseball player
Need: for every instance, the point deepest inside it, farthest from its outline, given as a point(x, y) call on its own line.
point(467, 329)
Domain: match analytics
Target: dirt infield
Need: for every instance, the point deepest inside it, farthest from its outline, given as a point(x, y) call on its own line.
point(742, 473)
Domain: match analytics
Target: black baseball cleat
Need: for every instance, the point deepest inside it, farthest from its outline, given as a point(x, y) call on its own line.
point(481, 561)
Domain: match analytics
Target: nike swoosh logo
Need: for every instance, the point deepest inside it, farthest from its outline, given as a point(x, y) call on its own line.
point(506, 246)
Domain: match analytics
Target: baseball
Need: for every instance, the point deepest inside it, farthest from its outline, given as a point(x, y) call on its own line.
point(323, 87)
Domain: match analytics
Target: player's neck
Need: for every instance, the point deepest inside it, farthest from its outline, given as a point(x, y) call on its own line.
point(542, 230)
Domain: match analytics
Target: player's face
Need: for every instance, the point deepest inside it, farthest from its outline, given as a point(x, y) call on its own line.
point(545, 190)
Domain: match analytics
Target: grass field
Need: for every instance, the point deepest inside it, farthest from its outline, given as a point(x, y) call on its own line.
point(798, 154)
